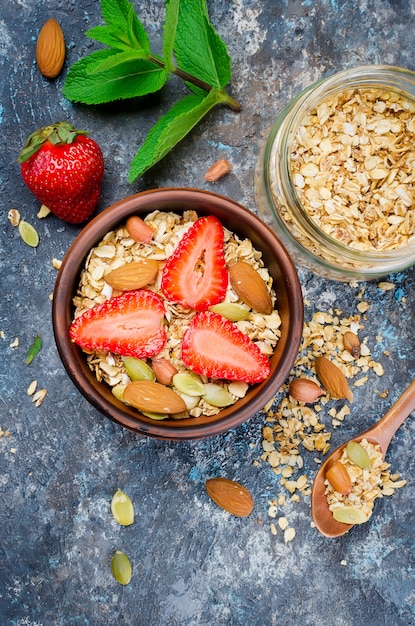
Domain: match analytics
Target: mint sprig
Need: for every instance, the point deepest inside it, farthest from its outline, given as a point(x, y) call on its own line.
point(128, 68)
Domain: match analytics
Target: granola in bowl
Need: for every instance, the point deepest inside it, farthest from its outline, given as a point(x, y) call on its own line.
point(202, 394)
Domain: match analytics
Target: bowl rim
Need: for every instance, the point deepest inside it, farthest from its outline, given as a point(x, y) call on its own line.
point(73, 359)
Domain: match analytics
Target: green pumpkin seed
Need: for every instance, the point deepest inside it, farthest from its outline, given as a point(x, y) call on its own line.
point(349, 515)
point(28, 233)
point(190, 384)
point(118, 391)
point(137, 369)
point(232, 311)
point(122, 508)
point(155, 416)
point(358, 455)
point(190, 401)
point(217, 395)
point(121, 568)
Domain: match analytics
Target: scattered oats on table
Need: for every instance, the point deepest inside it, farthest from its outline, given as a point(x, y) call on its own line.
point(294, 426)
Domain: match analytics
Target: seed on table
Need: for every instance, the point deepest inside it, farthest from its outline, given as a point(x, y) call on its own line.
point(122, 508)
point(121, 568)
point(28, 233)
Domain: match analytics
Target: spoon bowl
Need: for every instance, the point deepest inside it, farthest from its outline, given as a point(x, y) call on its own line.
point(380, 433)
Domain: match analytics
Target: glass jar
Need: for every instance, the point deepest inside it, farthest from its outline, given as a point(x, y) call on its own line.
point(313, 242)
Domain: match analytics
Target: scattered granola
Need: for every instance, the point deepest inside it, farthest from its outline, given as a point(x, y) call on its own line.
point(118, 247)
point(294, 426)
point(38, 397)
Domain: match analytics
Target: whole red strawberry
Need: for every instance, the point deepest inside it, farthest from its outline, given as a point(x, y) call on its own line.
point(63, 168)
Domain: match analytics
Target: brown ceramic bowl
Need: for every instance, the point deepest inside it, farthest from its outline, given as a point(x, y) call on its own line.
point(237, 219)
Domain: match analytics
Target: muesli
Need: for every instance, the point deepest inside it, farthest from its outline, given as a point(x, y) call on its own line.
point(367, 481)
point(117, 249)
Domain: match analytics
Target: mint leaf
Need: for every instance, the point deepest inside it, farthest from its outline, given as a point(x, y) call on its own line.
point(169, 31)
point(199, 50)
point(131, 79)
point(171, 129)
point(105, 35)
point(114, 60)
point(122, 18)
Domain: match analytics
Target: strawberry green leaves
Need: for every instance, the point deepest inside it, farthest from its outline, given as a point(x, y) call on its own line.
point(128, 68)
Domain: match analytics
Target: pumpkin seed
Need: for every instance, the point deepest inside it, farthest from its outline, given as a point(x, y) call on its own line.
point(28, 233)
point(121, 568)
point(190, 384)
point(118, 391)
point(122, 508)
point(137, 369)
point(232, 311)
point(155, 416)
point(358, 455)
point(349, 515)
point(190, 401)
point(217, 395)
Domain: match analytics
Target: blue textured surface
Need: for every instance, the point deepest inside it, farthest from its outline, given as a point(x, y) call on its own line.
point(193, 563)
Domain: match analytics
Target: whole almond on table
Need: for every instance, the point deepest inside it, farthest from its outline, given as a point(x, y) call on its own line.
point(230, 496)
point(304, 390)
point(133, 275)
point(218, 169)
point(351, 343)
point(50, 49)
point(332, 379)
point(250, 287)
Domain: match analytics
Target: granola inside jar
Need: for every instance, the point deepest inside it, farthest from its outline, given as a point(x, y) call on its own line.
point(336, 178)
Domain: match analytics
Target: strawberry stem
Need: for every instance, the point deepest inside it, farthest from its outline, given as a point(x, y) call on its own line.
point(57, 134)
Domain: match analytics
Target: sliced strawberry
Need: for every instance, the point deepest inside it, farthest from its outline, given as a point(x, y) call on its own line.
point(130, 324)
point(195, 274)
point(215, 347)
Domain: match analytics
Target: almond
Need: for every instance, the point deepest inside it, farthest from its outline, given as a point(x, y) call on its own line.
point(250, 287)
point(304, 390)
point(147, 395)
point(339, 478)
point(133, 275)
point(332, 379)
point(50, 49)
point(230, 496)
point(164, 371)
point(352, 344)
point(139, 230)
point(217, 170)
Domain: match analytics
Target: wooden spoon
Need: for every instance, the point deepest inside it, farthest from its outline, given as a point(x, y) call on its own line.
point(381, 433)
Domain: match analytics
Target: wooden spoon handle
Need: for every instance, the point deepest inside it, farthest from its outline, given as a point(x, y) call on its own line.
point(387, 426)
